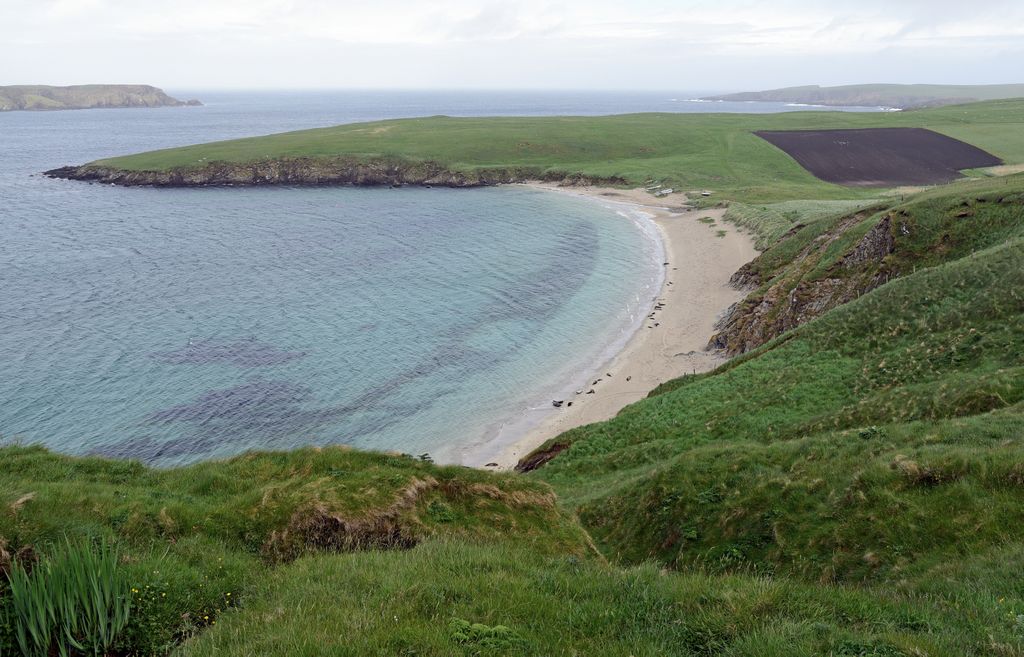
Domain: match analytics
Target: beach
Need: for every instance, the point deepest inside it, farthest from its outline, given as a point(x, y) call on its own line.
point(702, 252)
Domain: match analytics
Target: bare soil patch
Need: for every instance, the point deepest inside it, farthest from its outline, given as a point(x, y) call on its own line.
point(880, 157)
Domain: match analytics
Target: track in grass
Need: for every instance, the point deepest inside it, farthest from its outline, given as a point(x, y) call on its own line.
point(880, 157)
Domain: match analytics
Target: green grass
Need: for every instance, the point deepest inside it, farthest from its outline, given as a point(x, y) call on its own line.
point(770, 222)
point(684, 151)
point(195, 540)
point(405, 604)
point(250, 502)
point(837, 451)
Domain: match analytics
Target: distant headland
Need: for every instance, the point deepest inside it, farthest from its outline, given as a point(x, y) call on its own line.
point(897, 96)
point(85, 96)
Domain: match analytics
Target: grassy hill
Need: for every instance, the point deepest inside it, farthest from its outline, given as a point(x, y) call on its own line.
point(948, 309)
point(718, 152)
point(906, 96)
point(85, 96)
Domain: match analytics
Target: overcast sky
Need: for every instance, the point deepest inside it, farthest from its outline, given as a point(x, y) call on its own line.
point(511, 44)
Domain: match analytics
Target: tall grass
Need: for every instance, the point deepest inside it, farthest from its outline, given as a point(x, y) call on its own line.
point(75, 600)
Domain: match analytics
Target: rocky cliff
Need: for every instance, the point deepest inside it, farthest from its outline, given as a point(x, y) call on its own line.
point(799, 295)
point(827, 263)
point(319, 171)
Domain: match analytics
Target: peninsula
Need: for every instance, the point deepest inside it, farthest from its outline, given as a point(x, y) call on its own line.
point(85, 96)
point(896, 96)
point(727, 153)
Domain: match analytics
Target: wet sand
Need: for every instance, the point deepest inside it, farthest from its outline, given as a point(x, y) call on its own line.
point(696, 292)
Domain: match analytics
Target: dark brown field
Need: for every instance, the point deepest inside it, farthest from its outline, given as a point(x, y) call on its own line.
point(880, 157)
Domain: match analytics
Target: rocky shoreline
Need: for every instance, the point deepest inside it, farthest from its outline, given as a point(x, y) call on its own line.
point(319, 172)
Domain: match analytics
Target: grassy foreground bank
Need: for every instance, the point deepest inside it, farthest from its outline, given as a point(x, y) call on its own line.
point(683, 151)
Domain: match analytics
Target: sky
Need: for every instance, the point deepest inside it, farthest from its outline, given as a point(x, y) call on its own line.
point(726, 45)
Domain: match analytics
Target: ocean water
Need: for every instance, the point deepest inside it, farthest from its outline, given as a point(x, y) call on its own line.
point(176, 325)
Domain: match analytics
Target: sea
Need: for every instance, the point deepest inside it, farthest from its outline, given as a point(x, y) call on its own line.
point(173, 325)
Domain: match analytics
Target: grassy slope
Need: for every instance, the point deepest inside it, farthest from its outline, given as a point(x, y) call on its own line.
point(247, 500)
point(771, 221)
point(404, 604)
point(878, 436)
point(828, 257)
point(688, 151)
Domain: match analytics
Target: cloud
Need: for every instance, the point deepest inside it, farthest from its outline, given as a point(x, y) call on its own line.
point(451, 41)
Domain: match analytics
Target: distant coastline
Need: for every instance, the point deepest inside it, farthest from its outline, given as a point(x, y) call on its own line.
point(43, 98)
point(891, 96)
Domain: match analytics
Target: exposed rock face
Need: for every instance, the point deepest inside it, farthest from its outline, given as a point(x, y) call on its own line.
point(317, 171)
point(539, 457)
point(87, 96)
point(786, 304)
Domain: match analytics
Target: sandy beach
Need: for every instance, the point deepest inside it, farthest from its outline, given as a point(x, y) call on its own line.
point(702, 256)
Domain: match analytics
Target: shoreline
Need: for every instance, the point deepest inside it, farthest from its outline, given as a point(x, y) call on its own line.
point(695, 292)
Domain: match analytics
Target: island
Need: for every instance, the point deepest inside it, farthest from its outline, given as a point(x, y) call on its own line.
point(85, 96)
point(894, 96)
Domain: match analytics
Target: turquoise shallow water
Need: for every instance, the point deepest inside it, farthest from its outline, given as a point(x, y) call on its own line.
point(174, 325)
